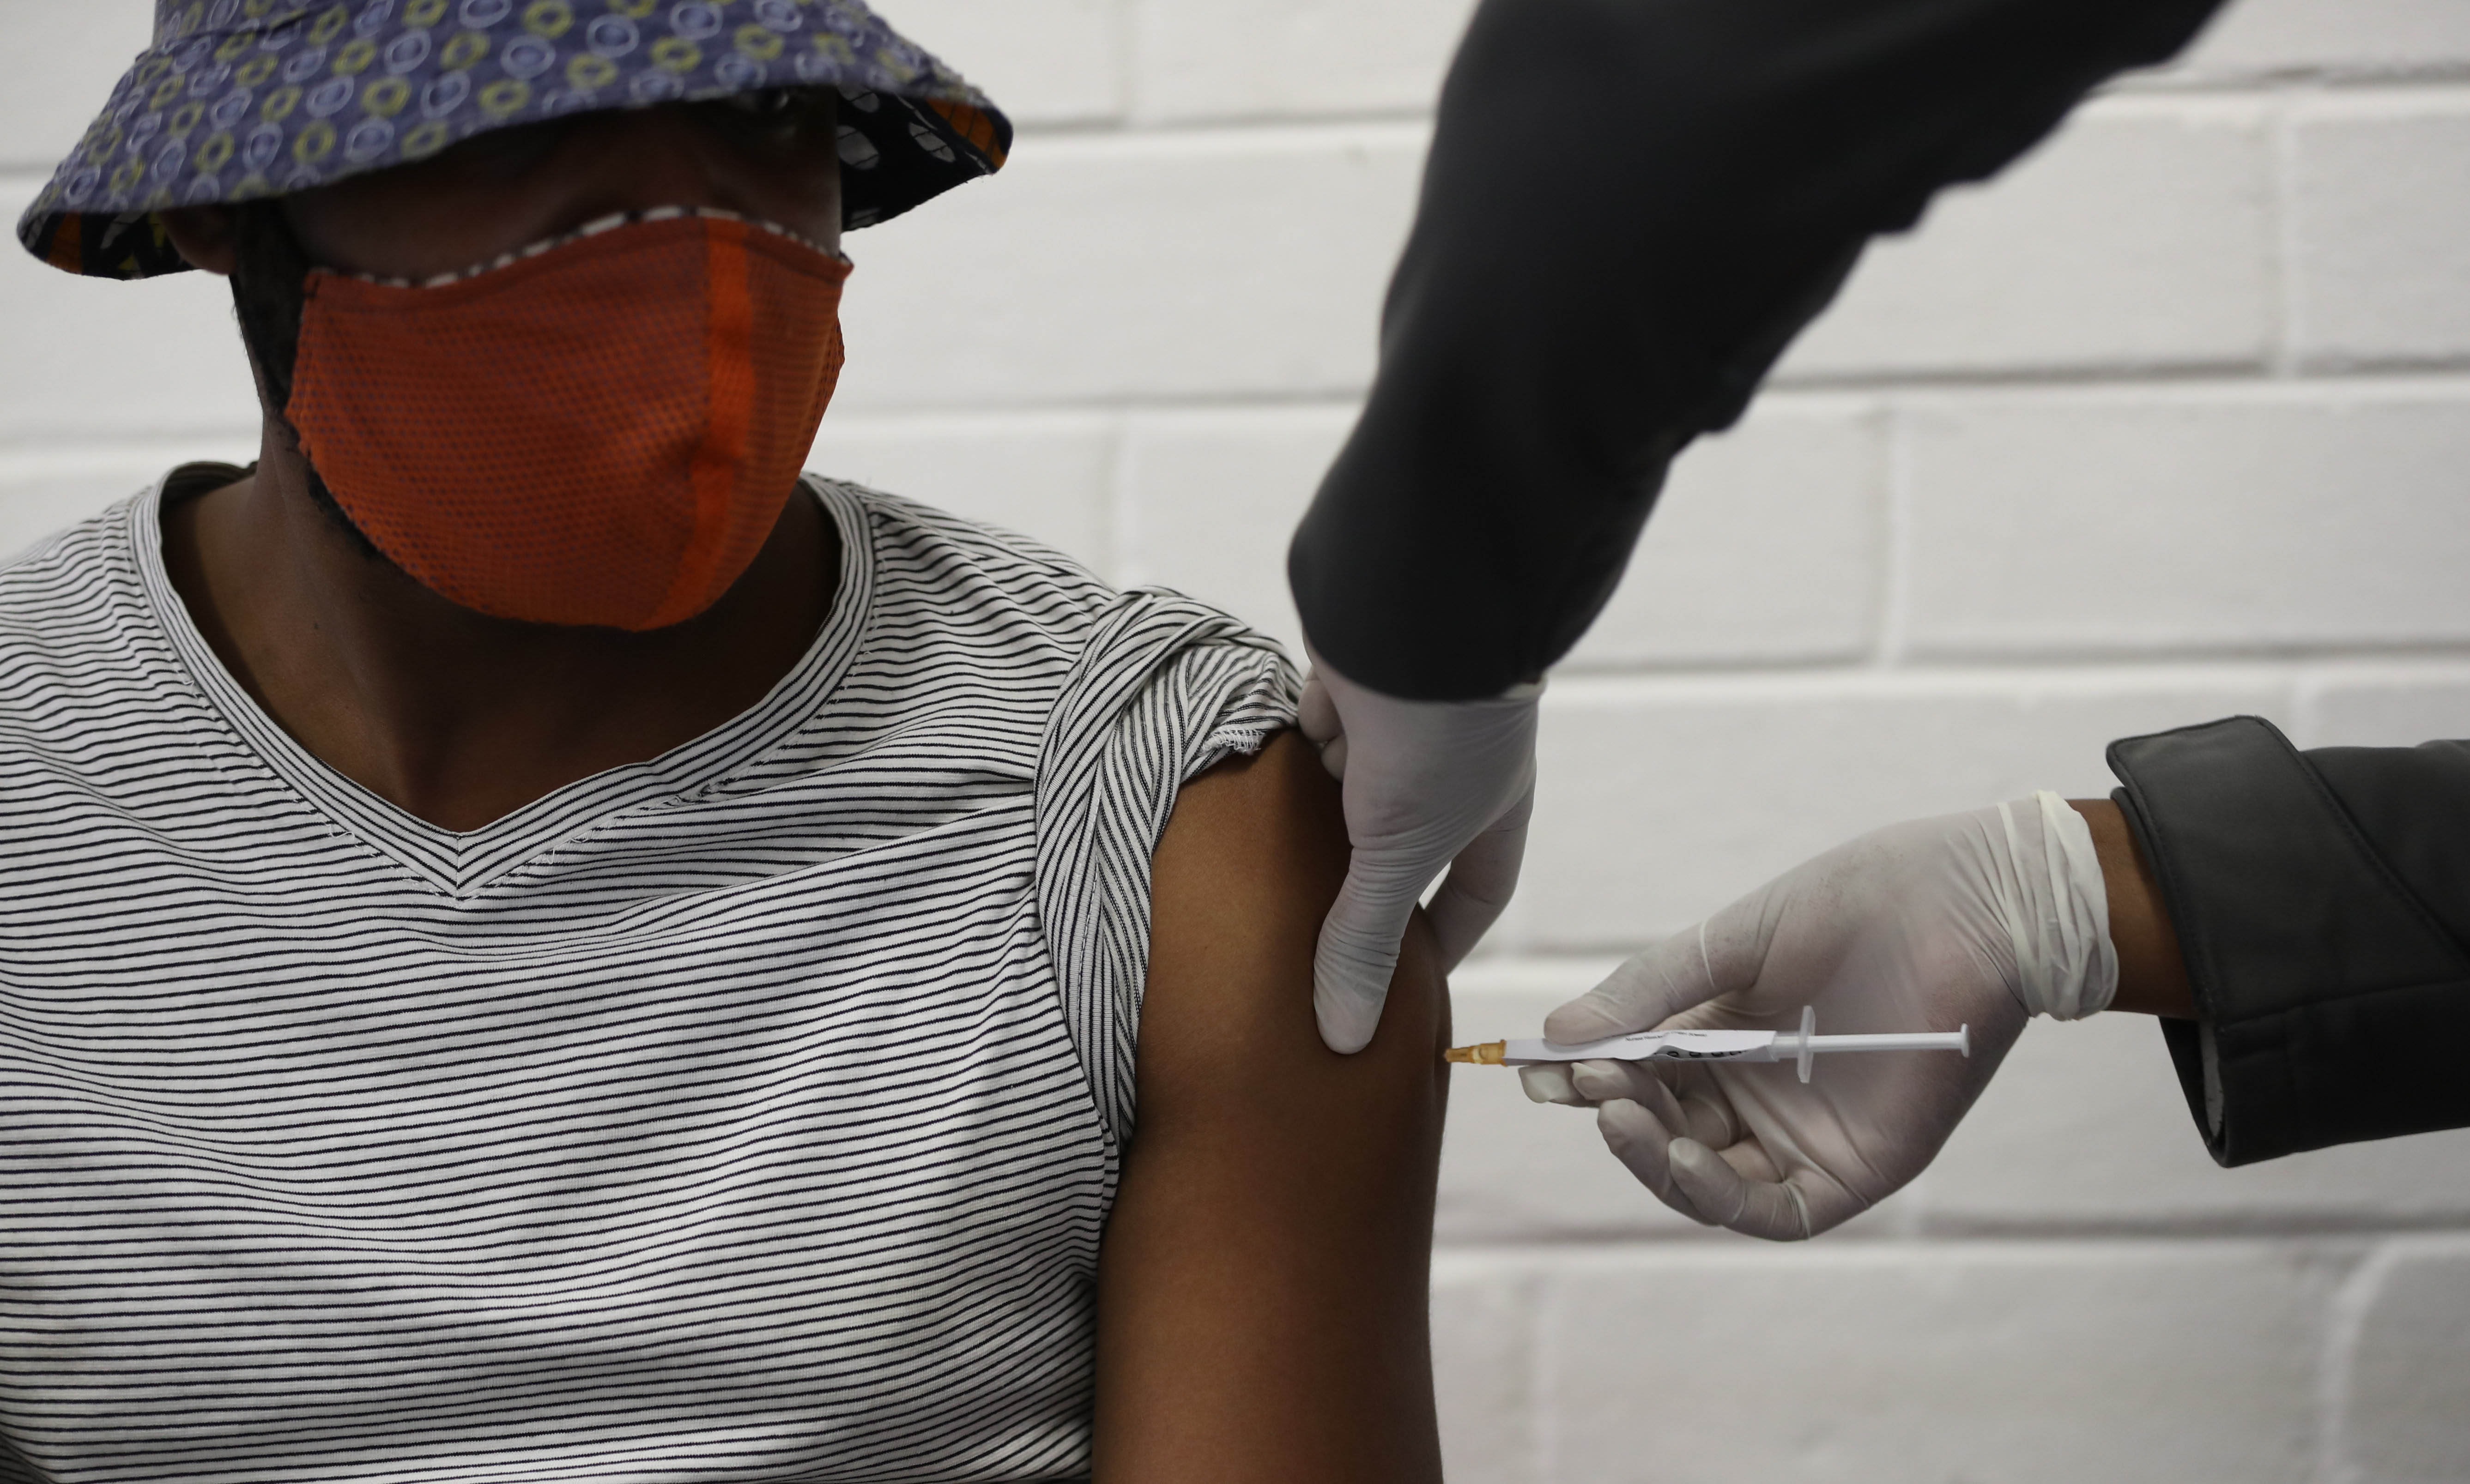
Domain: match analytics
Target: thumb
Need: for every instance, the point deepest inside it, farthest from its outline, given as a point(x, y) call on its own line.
point(1359, 948)
point(1480, 884)
point(1643, 993)
point(1317, 715)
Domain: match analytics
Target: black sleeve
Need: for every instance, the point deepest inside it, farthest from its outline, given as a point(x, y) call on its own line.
point(1630, 209)
point(2322, 902)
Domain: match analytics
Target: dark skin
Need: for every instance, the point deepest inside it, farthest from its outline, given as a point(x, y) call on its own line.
point(451, 715)
point(1262, 1286)
point(2152, 971)
point(1262, 1293)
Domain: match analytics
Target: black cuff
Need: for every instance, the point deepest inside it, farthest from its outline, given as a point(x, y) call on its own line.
point(2320, 981)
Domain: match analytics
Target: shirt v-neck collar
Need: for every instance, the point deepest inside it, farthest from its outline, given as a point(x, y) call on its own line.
point(465, 863)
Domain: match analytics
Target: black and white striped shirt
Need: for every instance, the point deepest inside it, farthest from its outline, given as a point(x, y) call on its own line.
point(750, 1114)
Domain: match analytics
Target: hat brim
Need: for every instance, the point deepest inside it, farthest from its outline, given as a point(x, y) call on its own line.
point(216, 113)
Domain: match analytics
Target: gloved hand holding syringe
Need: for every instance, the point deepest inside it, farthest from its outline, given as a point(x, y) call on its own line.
point(1978, 920)
point(1798, 1048)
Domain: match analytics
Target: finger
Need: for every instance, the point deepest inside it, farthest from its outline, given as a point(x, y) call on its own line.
point(1317, 714)
point(1642, 993)
point(1640, 1141)
point(1550, 1082)
point(1605, 1081)
point(1602, 1082)
point(1480, 884)
point(1754, 1208)
point(1707, 1113)
point(1823, 1202)
point(1333, 758)
point(1749, 1160)
point(1683, 1099)
point(1359, 951)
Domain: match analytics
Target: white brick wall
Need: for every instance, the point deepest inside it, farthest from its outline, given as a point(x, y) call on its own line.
point(1275, 57)
point(2379, 227)
point(2171, 421)
point(2400, 1392)
point(2309, 39)
point(1139, 267)
point(2277, 516)
point(2143, 239)
point(2041, 1364)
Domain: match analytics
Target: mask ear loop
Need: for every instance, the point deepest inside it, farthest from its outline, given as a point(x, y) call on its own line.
point(269, 295)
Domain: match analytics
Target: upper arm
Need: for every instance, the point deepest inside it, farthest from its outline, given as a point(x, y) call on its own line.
point(1263, 1286)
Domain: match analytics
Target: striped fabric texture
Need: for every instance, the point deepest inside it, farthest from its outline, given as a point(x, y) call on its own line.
point(750, 1114)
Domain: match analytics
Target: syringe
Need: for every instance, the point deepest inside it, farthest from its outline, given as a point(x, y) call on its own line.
point(1713, 1046)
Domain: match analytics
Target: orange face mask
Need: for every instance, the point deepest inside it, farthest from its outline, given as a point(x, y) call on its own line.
point(602, 432)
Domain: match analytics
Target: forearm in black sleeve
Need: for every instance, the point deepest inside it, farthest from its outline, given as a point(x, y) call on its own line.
point(2322, 903)
point(1630, 208)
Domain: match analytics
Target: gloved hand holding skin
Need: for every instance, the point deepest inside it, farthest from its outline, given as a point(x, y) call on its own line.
point(1429, 785)
point(1980, 919)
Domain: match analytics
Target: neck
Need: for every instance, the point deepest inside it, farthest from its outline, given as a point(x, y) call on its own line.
point(453, 716)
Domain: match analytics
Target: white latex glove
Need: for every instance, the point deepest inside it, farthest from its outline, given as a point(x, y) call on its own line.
point(1978, 920)
point(1430, 784)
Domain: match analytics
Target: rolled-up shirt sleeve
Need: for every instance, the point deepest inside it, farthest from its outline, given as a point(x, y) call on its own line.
point(2321, 900)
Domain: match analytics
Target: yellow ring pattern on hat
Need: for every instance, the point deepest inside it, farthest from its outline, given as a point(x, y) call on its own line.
point(424, 140)
point(590, 72)
point(314, 143)
point(387, 97)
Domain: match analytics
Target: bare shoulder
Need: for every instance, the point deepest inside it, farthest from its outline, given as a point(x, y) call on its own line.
point(1250, 864)
point(1263, 1304)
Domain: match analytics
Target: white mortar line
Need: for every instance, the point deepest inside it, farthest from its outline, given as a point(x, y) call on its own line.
point(1893, 512)
point(2094, 381)
point(2407, 670)
point(2136, 387)
point(1543, 1430)
point(2361, 77)
point(2346, 1318)
point(1998, 681)
point(1534, 1453)
point(2155, 673)
point(1203, 139)
point(1124, 565)
point(1895, 556)
point(2307, 710)
point(2331, 660)
point(2281, 184)
point(1127, 27)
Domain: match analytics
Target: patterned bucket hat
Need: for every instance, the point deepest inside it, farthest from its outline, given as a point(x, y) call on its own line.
point(243, 99)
